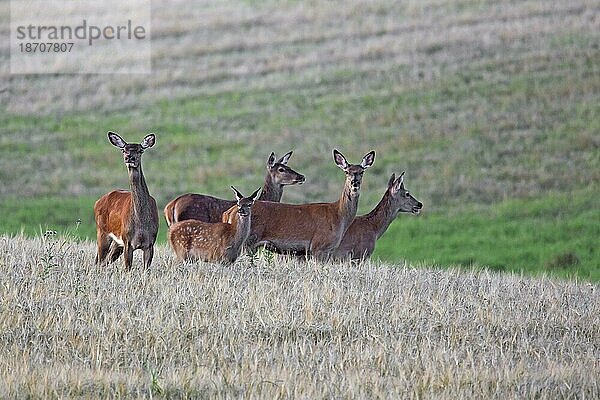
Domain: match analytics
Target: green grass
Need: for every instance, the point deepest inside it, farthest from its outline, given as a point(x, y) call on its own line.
point(73, 216)
point(556, 234)
point(69, 216)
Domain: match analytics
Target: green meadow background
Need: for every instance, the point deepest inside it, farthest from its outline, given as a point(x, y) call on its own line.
point(492, 109)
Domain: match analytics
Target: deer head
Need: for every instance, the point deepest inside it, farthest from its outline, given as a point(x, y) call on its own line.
point(280, 173)
point(402, 197)
point(354, 172)
point(132, 153)
point(244, 203)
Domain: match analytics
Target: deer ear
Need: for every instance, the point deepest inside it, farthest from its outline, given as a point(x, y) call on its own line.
point(116, 140)
point(340, 160)
point(238, 195)
point(368, 160)
point(255, 194)
point(148, 141)
point(392, 180)
point(285, 158)
point(271, 160)
point(397, 184)
point(400, 181)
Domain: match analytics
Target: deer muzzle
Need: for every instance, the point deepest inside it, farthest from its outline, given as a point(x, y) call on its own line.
point(417, 209)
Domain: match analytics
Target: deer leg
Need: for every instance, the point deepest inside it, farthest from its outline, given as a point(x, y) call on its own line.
point(326, 257)
point(301, 257)
point(148, 255)
point(103, 247)
point(322, 254)
point(115, 251)
point(128, 255)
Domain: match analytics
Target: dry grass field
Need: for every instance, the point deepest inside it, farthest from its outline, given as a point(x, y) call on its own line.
point(281, 329)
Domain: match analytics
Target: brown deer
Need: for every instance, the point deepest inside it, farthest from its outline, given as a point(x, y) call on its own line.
point(215, 242)
point(315, 229)
point(359, 241)
point(206, 208)
point(127, 220)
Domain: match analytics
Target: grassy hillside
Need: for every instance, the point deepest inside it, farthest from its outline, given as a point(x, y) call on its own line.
point(279, 329)
point(487, 105)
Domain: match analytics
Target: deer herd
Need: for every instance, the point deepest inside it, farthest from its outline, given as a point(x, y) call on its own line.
point(203, 227)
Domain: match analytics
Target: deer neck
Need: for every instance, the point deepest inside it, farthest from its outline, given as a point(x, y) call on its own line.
point(140, 195)
point(382, 215)
point(270, 190)
point(242, 230)
point(347, 206)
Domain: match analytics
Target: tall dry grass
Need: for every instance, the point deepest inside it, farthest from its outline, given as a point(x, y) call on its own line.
point(283, 329)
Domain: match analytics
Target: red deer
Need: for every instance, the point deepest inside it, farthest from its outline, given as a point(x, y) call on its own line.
point(127, 220)
point(316, 229)
point(359, 241)
point(215, 242)
point(210, 209)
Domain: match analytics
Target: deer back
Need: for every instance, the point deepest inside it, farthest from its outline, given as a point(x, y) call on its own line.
point(196, 206)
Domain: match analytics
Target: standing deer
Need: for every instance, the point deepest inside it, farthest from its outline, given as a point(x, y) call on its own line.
point(215, 242)
point(127, 220)
point(359, 240)
point(316, 229)
point(206, 208)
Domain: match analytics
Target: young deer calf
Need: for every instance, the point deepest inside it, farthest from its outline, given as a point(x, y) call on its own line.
point(359, 241)
point(127, 220)
point(316, 228)
point(215, 242)
point(210, 209)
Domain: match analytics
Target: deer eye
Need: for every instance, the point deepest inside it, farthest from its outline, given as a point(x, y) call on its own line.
point(281, 169)
point(407, 194)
